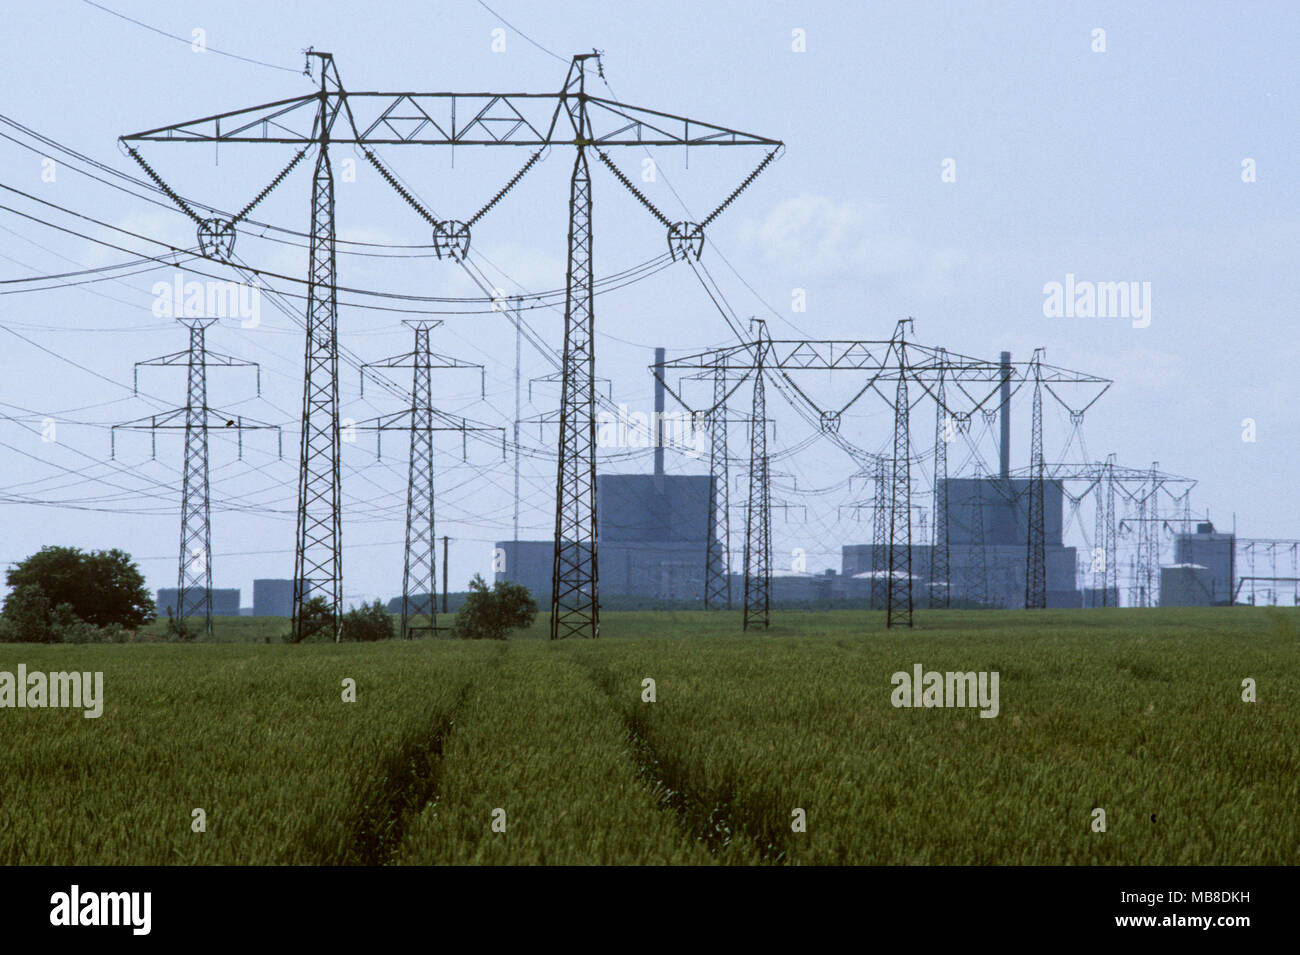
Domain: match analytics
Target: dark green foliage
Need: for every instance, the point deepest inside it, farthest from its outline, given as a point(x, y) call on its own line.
point(317, 622)
point(491, 614)
point(368, 622)
point(27, 615)
point(99, 587)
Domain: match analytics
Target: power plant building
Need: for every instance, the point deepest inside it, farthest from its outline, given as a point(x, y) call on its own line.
point(225, 602)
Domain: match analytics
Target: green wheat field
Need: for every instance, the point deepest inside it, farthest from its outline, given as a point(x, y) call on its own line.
point(1137, 712)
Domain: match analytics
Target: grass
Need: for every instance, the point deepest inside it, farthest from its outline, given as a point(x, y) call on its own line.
point(1135, 712)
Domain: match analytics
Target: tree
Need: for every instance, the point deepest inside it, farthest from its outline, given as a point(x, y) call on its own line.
point(100, 587)
point(368, 622)
point(26, 617)
point(491, 614)
point(317, 620)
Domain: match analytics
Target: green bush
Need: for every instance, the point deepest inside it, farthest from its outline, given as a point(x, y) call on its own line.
point(27, 616)
point(317, 622)
point(368, 622)
point(491, 614)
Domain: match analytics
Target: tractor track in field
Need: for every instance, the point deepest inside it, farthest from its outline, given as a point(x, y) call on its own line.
point(709, 818)
point(407, 783)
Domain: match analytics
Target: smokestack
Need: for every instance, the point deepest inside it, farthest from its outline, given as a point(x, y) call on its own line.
point(1004, 446)
point(659, 417)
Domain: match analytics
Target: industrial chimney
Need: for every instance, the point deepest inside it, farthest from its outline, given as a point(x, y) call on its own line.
point(1004, 446)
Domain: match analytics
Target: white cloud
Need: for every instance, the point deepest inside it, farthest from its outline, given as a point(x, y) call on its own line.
point(815, 235)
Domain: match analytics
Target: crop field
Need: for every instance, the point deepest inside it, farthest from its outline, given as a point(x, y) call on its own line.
point(783, 748)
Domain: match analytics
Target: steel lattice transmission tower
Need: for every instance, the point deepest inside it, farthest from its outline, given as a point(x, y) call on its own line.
point(899, 607)
point(944, 432)
point(1036, 564)
point(717, 571)
point(318, 557)
point(194, 580)
point(1104, 580)
point(421, 419)
point(758, 507)
point(575, 608)
point(196, 418)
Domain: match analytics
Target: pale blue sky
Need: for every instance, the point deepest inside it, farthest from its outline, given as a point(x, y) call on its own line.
point(1116, 166)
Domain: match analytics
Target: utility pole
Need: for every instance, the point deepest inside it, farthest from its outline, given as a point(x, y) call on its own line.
point(194, 577)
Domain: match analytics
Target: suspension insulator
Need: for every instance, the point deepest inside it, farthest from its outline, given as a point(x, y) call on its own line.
point(217, 239)
point(450, 239)
point(686, 240)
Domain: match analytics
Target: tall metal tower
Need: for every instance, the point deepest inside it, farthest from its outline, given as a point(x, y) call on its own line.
point(194, 577)
point(944, 431)
point(899, 608)
point(758, 509)
point(1147, 566)
point(318, 556)
point(575, 608)
point(1036, 565)
point(717, 571)
point(419, 580)
point(1104, 579)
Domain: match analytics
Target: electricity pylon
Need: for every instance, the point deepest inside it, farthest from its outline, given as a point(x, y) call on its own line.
point(421, 419)
point(194, 577)
point(1036, 564)
point(944, 432)
point(571, 117)
point(899, 604)
point(717, 569)
point(758, 510)
point(875, 362)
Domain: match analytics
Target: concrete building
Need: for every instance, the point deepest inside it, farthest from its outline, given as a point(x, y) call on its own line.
point(272, 598)
point(651, 534)
point(1185, 585)
point(528, 563)
point(225, 603)
point(1213, 552)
